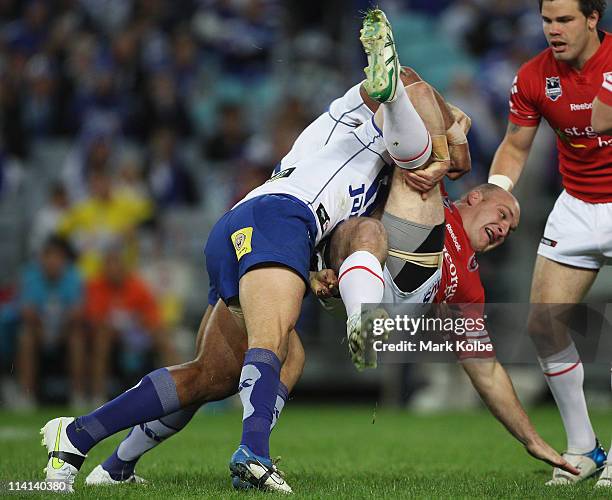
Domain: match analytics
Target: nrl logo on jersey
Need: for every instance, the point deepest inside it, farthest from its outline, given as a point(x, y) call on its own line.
point(553, 88)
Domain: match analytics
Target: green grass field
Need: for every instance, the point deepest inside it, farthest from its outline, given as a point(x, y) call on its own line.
point(328, 452)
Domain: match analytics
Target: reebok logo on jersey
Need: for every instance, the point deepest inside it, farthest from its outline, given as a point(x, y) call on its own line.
point(553, 88)
point(453, 236)
point(581, 107)
point(241, 240)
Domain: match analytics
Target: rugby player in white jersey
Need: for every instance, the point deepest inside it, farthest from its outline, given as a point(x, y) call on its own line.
point(258, 257)
point(221, 341)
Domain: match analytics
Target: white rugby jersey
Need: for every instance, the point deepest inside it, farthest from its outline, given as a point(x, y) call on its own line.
point(338, 181)
point(345, 114)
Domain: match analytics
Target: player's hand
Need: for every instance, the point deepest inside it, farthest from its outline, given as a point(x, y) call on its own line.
point(324, 284)
point(424, 180)
point(542, 451)
point(461, 161)
point(460, 117)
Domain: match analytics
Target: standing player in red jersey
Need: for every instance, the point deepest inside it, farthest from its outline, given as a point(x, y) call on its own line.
point(601, 118)
point(560, 85)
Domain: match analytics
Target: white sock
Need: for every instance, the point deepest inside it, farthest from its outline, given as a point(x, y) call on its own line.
point(565, 375)
point(360, 281)
point(405, 134)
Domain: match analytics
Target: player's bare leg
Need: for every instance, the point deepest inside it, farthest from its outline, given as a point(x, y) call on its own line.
point(401, 122)
point(271, 299)
point(555, 283)
point(222, 335)
point(158, 393)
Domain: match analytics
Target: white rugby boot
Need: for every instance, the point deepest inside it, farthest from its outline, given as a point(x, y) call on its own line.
point(359, 328)
point(605, 480)
point(101, 477)
point(383, 69)
point(64, 459)
point(260, 472)
point(588, 463)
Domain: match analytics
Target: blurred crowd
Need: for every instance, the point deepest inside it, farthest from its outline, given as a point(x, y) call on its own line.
point(128, 126)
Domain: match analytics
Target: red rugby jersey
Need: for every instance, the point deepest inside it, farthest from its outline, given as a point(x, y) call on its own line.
point(460, 282)
point(545, 87)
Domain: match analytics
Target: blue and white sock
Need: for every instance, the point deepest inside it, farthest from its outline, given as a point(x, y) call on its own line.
point(153, 397)
point(281, 398)
point(142, 438)
point(259, 382)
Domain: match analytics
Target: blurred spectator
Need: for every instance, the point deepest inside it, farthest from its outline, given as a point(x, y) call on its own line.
point(129, 181)
point(46, 220)
point(14, 139)
point(29, 33)
point(94, 151)
point(170, 279)
point(170, 182)
point(243, 33)
point(11, 174)
point(51, 309)
point(186, 61)
point(289, 121)
point(228, 141)
point(122, 311)
point(40, 112)
point(108, 15)
point(162, 107)
point(101, 219)
point(102, 97)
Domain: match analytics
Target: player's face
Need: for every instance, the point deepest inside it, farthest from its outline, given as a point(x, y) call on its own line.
point(566, 29)
point(491, 220)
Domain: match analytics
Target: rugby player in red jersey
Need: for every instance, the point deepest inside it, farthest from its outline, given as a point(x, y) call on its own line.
point(560, 85)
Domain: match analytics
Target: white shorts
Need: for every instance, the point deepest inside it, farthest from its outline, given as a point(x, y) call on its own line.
point(578, 233)
point(425, 294)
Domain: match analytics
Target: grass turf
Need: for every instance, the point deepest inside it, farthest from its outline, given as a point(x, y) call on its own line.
point(328, 452)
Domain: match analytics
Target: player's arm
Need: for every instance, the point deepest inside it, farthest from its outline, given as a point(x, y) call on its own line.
point(601, 116)
point(511, 155)
point(493, 384)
